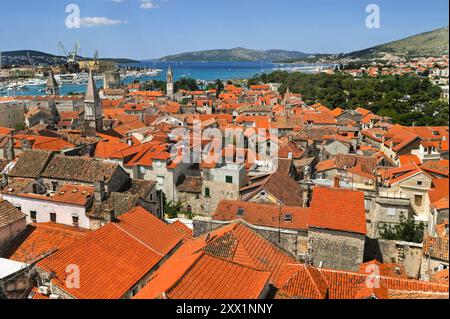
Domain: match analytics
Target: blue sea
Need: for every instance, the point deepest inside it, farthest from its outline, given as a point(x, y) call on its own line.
point(203, 71)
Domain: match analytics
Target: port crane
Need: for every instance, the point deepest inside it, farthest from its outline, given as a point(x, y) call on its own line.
point(72, 63)
point(96, 58)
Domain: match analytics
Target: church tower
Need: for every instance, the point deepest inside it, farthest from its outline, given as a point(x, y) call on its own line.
point(170, 86)
point(52, 87)
point(93, 114)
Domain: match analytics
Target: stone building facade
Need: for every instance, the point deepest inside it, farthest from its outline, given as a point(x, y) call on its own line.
point(335, 249)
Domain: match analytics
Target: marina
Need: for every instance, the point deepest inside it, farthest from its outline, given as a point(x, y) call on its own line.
point(203, 72)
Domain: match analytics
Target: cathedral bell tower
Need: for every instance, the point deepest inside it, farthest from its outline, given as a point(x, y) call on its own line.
point(93, 114)
point(170, 85)
point(52, 87)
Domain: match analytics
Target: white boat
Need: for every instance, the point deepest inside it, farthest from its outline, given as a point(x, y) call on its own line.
point(36, 82)
point(64, 78)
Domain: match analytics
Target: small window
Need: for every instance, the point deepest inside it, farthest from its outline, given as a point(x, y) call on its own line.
point(419, 183)
point(75, 220)
point(240, 212)
point(288, 217)
point(229, 179)
point(53, 217)
point(55, 186)
point(207, 192)
point(33, 215)
point(391, 211)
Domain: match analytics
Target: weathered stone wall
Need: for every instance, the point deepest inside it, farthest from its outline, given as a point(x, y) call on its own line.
point(335, 249)
point(379, 213)
point(290, 241)
point(404, 254)
point(193, 200)
point(218, 192)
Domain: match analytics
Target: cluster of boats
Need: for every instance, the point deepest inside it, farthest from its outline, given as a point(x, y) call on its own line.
point(70, 79)
point(140, 73)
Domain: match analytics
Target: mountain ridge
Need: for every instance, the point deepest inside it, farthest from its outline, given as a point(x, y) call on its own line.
point(428, 43)
point(234, 55)
point(40, 57)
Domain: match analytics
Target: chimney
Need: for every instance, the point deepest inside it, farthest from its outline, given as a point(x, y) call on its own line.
point(337, 181)
point(112, 216)
point(99, 189)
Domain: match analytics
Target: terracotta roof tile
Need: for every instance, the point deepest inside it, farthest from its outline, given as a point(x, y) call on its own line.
point(42, 239)
point(338, 209)
point(350, 285)
point(239, 243)
point(263, 214)
point(114, 258)
point(185, 231)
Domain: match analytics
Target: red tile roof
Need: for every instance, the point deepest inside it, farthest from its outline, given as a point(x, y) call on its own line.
point(409, 159)
point(193, 274)
point(263, 215)
point(44, 238)
point(384, 269)
point(185, 231)
point(231, 262)
point(68, 194)
point(216, 278)
point(239, 243)
point(338, 209)
point(301, 280)
point(440, 167)
point(114, 258)
point(439, 191)
point(295, 283)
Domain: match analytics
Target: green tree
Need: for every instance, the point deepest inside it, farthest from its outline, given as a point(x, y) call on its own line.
point(171, 209)
point(186, 84)
point(407, 230)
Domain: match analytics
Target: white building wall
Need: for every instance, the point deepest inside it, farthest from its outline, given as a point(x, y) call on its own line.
point(64, 212)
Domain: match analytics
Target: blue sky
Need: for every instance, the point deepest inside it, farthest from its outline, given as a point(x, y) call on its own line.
point(145, 29)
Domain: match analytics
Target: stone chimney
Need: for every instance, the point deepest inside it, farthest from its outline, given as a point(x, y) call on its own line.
point(112, 216)
point(99, 191)
point(337, 181)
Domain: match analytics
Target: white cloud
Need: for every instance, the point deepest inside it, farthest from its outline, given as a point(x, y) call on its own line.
point(90, 22)
point(148, 4)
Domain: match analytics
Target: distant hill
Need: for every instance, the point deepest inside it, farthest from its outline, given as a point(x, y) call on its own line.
point(22, 57)
point(425, 44)
point(236, 54)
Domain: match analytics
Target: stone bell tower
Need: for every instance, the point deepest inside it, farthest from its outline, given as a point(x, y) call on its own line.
point(170, 85)
point(93, 114)
point(52, 87)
